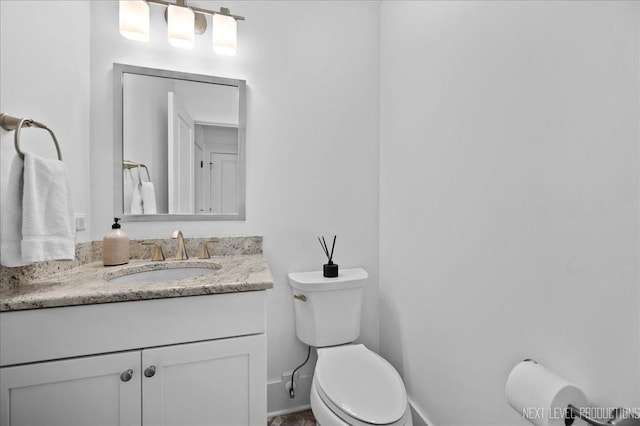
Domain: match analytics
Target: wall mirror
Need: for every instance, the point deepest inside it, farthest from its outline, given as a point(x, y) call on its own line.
point(179, 145)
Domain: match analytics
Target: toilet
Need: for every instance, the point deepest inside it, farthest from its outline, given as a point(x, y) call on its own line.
point(351, 384)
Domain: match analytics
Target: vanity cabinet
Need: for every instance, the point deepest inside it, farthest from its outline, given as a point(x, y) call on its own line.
point(206, 383)
point(75, 392)
point(184, 361)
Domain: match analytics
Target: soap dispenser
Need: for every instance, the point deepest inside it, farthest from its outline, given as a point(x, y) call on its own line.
point(115, 246)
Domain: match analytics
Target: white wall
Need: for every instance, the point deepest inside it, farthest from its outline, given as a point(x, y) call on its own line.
point(220, 139)
point(145, 135)
point(312, 142)
point(209, 103)
point(509, 200)
point(44, 75)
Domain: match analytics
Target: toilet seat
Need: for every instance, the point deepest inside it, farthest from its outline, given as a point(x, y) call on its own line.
point(359, 386)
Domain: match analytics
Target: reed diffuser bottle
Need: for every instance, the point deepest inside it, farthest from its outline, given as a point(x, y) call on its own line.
point(329, 269)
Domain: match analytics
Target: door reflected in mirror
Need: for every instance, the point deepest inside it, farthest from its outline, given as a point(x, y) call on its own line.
point(181, 147)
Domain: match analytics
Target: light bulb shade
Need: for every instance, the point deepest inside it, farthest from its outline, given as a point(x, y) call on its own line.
point(134, 19)
point(181, 22)
point(224, 34)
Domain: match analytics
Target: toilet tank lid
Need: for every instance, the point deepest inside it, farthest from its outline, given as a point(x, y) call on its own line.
point(347, 278)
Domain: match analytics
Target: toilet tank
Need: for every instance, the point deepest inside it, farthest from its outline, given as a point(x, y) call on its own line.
point(328, 310)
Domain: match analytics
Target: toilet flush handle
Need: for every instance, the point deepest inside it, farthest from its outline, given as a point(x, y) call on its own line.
point(301, 297)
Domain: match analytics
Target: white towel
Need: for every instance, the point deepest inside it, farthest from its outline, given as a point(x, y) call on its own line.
point(48, 225)
point(136, 199)
point(10, 251)
point(148, 198)
point(129, 181)
point(143, 198)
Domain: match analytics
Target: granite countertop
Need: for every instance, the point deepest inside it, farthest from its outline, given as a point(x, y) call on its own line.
point(88, 284)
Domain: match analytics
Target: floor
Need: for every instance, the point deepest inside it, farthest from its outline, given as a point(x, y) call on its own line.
point(300, 418)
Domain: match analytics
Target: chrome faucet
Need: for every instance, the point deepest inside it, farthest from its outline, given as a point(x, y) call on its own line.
point(181, 253)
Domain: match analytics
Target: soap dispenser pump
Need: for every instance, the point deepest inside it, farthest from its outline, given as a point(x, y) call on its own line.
point(115, 246)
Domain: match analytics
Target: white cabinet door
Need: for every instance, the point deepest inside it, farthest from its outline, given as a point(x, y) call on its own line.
point(219, 382)
point(83, 391)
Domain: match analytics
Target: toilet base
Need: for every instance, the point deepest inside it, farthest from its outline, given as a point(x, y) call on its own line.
point(325, 417)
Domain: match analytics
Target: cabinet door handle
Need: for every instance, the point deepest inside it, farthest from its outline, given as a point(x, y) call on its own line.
point(126, 375)
point(150, 371)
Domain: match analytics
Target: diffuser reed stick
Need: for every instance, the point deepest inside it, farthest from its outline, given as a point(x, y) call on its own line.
point(332, 247)
point(324, 246)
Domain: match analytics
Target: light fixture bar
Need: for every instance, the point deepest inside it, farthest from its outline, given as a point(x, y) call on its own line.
point(197, 9)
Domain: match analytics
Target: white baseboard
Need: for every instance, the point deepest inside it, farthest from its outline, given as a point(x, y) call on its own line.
point(288, 411)
point(418, 416)
point(279, 402)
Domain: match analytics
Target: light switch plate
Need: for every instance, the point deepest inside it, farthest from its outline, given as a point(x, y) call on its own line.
point(81, 220)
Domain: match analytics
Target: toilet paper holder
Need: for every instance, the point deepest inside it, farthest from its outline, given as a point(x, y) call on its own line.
point(620, 416)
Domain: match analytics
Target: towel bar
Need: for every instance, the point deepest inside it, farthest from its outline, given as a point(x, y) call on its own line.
point(10, 123)
point(126, 164)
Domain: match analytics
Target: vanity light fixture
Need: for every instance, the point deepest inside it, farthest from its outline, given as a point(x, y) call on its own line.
point(224, 33)
point(181, 26)
point(183, 22)
point(134, 20)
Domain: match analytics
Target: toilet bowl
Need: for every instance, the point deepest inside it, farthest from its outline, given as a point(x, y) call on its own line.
point(351, 384)
point(354, 386)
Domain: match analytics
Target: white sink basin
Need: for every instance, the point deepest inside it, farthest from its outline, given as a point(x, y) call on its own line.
point(170, 274)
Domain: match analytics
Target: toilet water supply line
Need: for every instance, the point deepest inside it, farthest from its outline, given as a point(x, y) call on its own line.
point(292, 392)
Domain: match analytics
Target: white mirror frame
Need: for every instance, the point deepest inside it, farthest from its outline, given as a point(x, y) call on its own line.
point(119, 70)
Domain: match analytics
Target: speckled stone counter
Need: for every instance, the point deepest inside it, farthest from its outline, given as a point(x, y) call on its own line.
point(92, 251)
point(236, 265)
point(88, 284)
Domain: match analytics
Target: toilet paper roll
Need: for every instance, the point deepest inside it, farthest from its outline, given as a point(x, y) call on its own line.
point(541, 396)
